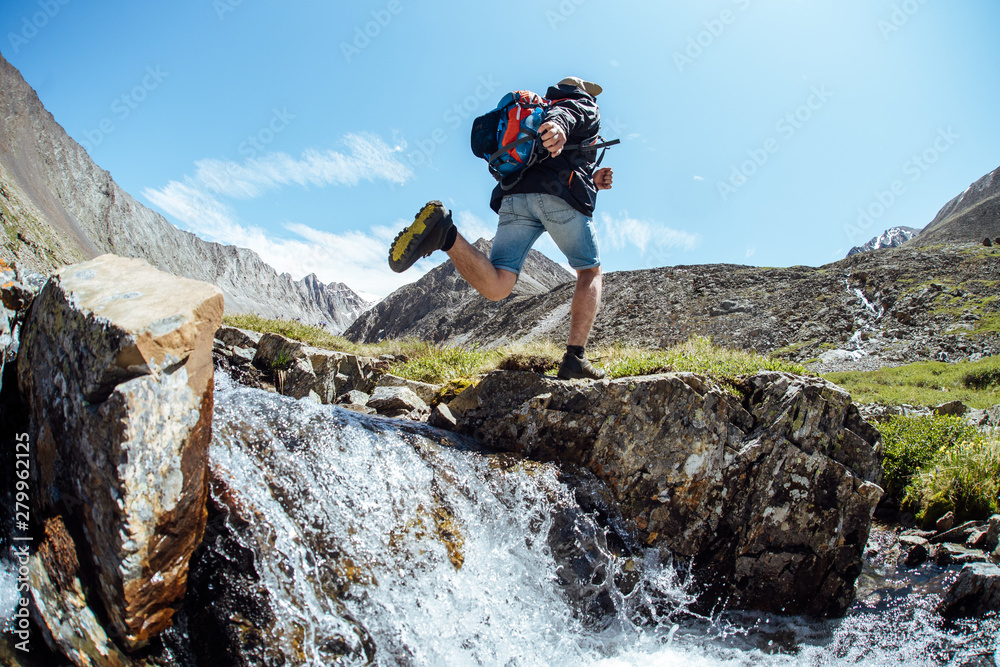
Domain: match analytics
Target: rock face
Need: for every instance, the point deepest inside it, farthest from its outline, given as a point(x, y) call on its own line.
point(890, 238)
point(772, 495)
point(61, 208)
point(969, 217)
point(442, 304)
point(116, 366)
point(976, 592)
point(59, 597)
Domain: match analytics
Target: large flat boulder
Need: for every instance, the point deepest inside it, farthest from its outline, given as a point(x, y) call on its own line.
point(770, 491)
point(116, 367)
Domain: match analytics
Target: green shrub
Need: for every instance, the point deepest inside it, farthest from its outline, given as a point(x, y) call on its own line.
point(983, 377)
point(964, 479)
point(911, 443)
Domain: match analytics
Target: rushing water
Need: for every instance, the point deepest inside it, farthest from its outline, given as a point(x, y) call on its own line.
point(374, 537)
point(446, 555)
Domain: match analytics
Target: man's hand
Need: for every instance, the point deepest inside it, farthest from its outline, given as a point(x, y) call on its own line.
point(603, 177)
point(553, 137)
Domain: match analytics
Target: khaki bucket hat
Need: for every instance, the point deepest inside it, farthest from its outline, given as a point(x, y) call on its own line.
point(589, 87)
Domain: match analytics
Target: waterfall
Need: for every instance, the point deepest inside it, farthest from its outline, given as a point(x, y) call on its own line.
point(867, 318)
point(391, 540)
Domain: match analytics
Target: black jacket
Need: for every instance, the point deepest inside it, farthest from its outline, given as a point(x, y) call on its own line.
point(570, 176)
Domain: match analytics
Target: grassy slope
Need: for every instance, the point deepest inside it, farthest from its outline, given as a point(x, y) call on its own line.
point(928, 383)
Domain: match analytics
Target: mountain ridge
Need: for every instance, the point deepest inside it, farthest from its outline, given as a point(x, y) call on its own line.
point(59, 207)
point(971, 216)
point(882, 307)
point(409, 310)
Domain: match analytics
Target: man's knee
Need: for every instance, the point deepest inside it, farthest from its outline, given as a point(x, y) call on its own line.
point(502, 287)
point(583, 275)
point(497, 294)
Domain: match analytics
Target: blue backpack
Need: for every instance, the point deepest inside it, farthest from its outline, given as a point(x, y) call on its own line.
point(507, 137)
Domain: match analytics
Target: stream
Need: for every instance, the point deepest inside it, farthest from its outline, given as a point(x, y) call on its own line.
point(389, 541)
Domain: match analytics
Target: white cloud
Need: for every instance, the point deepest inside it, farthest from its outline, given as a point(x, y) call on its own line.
point(645, 235)
point(369, 158)
point(357, 258)
point(473, 227)
point(699, 178)
point(751, 251)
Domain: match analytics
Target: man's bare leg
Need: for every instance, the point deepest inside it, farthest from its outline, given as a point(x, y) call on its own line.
point(493, 283)
point(586, 300)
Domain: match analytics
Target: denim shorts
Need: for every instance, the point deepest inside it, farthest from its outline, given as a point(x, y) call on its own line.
point(523, 218)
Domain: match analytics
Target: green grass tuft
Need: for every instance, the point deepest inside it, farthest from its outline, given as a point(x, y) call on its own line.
point(983, 377)
point(448, 363)
point(697, 355)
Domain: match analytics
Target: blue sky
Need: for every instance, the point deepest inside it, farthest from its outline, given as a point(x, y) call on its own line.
point(765, 133)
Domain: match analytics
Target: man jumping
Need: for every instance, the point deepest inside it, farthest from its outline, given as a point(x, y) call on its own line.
point(556, 195)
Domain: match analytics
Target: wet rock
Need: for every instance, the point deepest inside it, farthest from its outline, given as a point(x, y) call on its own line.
point(69, 625)
point(580, 550)
point(957, 535)
point(977, 539)
point(244, 355)
point(442, 417)
point(356, 401)
point(354, 397)
point(772, 495)
point(363, 409)
point(916, 554)
point(275, 352)
point(985, 538)
point(954, 554)
point(916, 532)
point(945, 523)
point(116, 366)
point(397, 402)
point(910, 541)
point(466, 400)
point(976, 592)
point(427, 392)
point(992, 539)
point(298, 369)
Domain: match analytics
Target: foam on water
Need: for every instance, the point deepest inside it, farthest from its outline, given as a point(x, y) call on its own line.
point(9, 595)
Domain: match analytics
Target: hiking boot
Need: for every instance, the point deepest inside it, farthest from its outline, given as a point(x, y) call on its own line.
point(428, 232)
point(575, 368)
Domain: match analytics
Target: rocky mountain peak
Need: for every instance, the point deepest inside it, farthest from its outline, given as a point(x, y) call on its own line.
point(891, 238)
